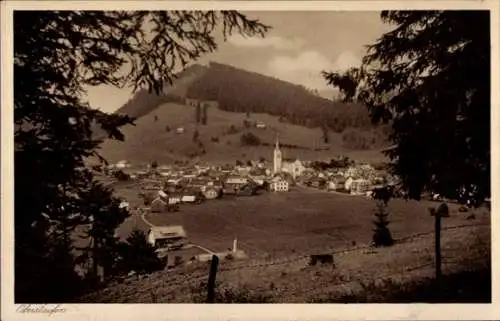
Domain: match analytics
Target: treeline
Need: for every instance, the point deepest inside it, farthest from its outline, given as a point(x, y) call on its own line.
point(242, 91)
point(356, 138)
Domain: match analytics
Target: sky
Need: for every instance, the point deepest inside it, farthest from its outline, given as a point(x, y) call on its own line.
point(299, 46)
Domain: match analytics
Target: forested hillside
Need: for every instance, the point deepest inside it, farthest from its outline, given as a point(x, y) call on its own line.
point(243, 91)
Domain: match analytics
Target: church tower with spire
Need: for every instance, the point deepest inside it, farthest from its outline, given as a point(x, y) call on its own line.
point(277, 159)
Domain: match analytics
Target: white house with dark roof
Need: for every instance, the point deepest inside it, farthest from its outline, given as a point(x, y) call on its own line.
point(169, 237)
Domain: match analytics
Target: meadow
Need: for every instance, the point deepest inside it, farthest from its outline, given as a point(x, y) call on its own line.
point(301, 221)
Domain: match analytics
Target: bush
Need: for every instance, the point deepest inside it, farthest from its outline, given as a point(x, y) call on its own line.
point(249, 139)
point(232, 130)
point(121, 176)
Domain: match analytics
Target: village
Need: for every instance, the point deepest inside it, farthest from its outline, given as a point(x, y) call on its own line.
point(167, 188)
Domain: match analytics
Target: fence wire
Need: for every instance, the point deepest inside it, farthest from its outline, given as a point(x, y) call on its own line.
point(204, 275)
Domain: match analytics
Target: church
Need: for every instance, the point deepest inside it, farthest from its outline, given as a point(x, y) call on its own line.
point(295, 168)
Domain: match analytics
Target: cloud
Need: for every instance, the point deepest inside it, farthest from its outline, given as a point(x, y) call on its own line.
point(305, 68)
point(266, 42)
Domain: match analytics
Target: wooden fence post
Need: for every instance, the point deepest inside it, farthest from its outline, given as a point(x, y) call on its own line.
point(211, 279)
point(437, 245)
point(442, 211)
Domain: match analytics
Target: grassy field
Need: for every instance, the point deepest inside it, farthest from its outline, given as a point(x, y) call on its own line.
point(149, 139)
point(401, 273)
point(301, 221)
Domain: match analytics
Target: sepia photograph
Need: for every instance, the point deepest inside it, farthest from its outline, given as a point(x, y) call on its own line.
point(248, 156)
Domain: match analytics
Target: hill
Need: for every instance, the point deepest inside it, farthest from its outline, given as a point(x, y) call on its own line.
point(241, 98)
point(154, 137)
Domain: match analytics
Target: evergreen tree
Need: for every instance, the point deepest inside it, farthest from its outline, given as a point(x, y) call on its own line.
point(136, 254)
point(204, 114)
point(57, 56)
point(324, 131)
point(196, 135)
point(429, 78)
point(197, 113)
point(382, 235)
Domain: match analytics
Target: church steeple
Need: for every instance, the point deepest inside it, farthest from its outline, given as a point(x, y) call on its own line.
point(277, 160)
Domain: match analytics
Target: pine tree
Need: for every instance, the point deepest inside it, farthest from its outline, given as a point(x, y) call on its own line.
point(196, 135)
point(382, 235)
point(204, 114)
point(136, 254)
point(197, 113)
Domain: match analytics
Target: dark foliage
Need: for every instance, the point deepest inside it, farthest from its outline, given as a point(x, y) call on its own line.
point(204, 115)
point(57, 55)
point(196, 135)
point(382, 235)
point(137, 255)
point(430, 79)
point(197, 112)
point(232, 130)
point(249, 139)
point(383, 194)
point(355, 138)
point(121, 176)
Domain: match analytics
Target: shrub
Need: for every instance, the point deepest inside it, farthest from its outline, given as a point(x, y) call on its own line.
point(232, 130)
point(249, 139)
point(121, 176)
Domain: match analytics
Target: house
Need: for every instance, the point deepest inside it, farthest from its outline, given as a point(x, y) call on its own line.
point(167, 237)
point(191, 195)
point(236, 181)
point(338, 182)
point(260, 125)
point(279, 184)
point(296, 168)
point(348, 183)
point(211, 193)
point(259, 179)
point(360, 186)
point(122, 164)
point(158, 205)
point(174, 198)
point(124, 204)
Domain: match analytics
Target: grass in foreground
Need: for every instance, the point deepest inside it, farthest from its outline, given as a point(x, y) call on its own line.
point(469, 286)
